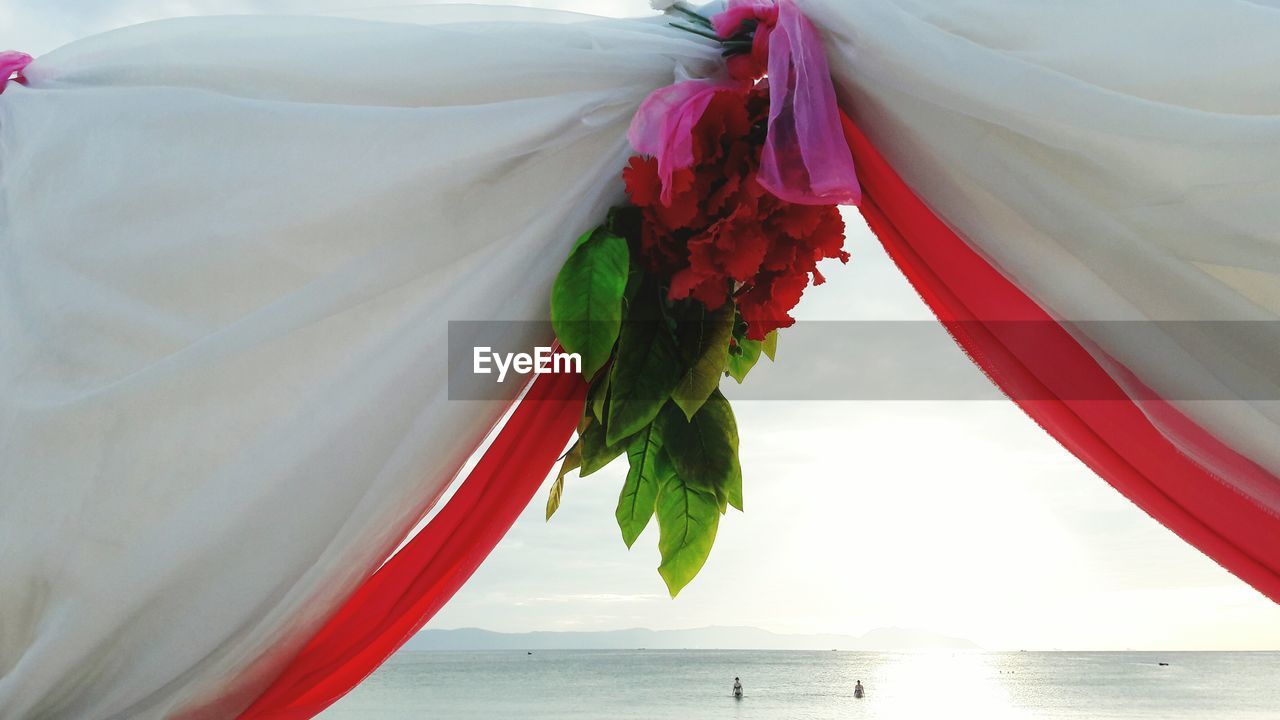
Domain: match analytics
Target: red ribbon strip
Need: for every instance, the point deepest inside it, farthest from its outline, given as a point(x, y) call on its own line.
point(1115, 438)
point(418, 580)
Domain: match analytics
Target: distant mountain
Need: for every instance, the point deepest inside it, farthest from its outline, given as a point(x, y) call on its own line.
point(706, 638)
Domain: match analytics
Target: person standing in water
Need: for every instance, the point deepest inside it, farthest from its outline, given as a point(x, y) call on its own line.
point(857, 689)
point(737, 688)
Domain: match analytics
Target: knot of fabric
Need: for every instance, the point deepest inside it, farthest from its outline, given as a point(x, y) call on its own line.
point(12, 63)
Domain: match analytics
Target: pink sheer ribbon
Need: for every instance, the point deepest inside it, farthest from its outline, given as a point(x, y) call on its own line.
point(12, 63)
point(805, 159)
point(663, 126)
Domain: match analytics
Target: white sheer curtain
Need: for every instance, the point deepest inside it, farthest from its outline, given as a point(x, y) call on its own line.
point(1116, 160)
point(229, 248)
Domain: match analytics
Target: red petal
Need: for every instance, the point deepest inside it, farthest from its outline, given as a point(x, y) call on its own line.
point(641, 178)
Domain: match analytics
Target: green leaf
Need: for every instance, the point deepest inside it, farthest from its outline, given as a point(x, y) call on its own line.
point(635, 279)
point(620, 221)
point(687, 522)
point(743, 358)
point(596, 453)
point(572, 460)
point(598, 396)
point(704, 345)
point(732, 495)
point(640, 492)
point(646, 370)
point(586, 299)
point(704, 450)
point(771, 345)
point(583, 238)
point(553, 499)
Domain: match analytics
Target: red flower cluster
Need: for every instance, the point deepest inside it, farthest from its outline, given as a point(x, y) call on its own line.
point(723, 235)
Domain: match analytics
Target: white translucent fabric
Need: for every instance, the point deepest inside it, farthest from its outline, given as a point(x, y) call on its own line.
point(229, 248)
point(1117, 161)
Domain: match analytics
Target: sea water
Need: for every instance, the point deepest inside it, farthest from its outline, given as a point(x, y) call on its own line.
point(780, 685)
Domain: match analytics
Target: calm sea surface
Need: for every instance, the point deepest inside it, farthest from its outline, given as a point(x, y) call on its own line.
point(696, 685)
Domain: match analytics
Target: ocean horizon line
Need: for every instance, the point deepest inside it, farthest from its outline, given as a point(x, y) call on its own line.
point(744, 638)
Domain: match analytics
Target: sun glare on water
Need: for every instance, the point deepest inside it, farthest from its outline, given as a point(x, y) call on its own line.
point(939, 685)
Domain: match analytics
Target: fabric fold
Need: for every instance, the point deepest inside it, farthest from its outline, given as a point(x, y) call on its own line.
point(228, 269)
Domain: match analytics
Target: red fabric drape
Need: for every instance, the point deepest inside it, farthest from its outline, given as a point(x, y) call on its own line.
point(1043, 371)
point(398, 599)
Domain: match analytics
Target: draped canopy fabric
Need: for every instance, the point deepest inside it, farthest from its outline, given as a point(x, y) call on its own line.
point(1116, 161)
point(229, 248)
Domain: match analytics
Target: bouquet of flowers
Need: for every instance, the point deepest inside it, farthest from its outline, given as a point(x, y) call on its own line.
point(733, 202)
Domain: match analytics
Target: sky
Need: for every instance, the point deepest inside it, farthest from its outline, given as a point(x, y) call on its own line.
point(960, 517)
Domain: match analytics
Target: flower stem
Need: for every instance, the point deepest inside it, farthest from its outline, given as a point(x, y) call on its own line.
point(696, 31)
point(699, 19)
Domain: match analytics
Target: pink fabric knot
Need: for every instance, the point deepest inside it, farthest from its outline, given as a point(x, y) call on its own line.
point(663, 126)
point(805, 159)
point(738, 12)
point(12, 63)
